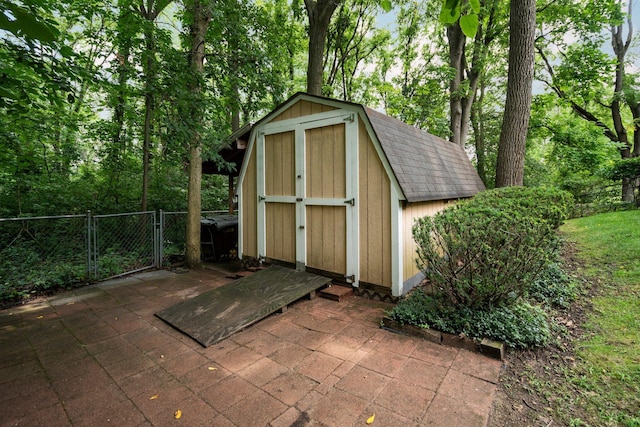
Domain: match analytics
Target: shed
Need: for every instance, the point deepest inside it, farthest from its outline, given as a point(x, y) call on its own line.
point(334, 187)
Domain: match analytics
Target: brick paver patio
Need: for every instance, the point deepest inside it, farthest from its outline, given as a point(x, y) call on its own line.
point(98, 356)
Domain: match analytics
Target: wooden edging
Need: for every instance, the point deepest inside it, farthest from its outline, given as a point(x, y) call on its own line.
point(490, 348)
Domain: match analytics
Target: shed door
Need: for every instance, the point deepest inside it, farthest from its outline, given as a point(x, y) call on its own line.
point(325, 197)
point(280, 192)
point(307, 186)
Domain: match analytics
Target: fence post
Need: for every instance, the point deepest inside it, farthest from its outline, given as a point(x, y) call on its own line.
point(88, 243)
point(94, 230)
point(161, 240)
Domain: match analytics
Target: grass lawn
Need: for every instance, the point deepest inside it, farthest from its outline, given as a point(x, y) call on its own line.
point(590, 375)
point(608, 368)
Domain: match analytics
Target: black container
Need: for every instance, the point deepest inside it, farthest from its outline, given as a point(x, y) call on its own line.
point(219, 237)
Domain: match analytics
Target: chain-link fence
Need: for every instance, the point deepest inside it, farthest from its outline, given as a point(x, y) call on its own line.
point(41, 254)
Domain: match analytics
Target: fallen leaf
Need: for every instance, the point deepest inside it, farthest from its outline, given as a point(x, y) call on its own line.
point(40, 317)
point(371, 419)
point(211, 368)
point(154, 397)
point(71, 303)
point(177, 414)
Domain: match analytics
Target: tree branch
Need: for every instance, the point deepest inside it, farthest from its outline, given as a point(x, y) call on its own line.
point(581, 111)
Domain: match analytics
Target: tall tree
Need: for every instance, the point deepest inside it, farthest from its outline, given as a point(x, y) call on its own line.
point(319, 13)
point(352, 40)
point(598, 88)
point(149, 11)
point(515, 121)
point(200, 13)
point(468, 62)
point(410, 79)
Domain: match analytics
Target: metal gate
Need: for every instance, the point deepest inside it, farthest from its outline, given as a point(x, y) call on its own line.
point(123, 243)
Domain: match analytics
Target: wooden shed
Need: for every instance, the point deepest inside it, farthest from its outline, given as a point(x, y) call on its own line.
point(335, 187)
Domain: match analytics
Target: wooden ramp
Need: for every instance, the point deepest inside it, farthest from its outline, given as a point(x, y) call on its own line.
point(218, 313)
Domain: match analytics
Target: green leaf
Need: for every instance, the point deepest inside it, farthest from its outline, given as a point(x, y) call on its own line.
point(27, 24)
point(385, 5)
point(475, 6)
point(469, 25)
point(7, 93)
point(8, 25)
point(162, 4)
point(450, 11)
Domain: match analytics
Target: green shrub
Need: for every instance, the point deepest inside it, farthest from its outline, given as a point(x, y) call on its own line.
point(485, 252)
point(553, 287)
point(547, 203)
point(521, 325)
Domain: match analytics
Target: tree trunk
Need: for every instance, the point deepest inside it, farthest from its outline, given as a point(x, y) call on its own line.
point(201, 18)
point(477, 121)
point(620, 48)
point(148, 69)
point(456, 62)
point(319, 12)
point(462, 96)
point(515, 122)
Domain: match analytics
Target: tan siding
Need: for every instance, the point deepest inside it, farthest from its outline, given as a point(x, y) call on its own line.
point(249, 208)
point(302, 108)
point(279, 180)
point(325, 168)
point(326, 243)
point(325, 162)
point(410, 213)
point(280, 241)
point(279, 160)
point(374, 214)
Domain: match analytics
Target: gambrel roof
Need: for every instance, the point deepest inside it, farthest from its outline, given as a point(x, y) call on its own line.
point(427, 167)
point(424, 166)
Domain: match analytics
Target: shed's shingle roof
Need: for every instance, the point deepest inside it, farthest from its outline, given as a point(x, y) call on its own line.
point(426, 167)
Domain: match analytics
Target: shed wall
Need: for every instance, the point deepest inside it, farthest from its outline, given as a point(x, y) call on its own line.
point(410, 213)
point(249, 208)
point(302, 108)
point(374, 206)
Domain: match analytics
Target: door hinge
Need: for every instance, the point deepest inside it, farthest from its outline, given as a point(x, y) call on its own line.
point(350, 118)
point(261, 198)
point(351, 202)
point(350, 279)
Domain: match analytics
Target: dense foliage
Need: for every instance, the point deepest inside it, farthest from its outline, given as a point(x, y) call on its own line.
point(486, 261)
point(485, 252)
point(95, 96)
point(518, 326)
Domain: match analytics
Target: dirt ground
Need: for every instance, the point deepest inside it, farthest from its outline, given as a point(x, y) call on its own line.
point(527, 394)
